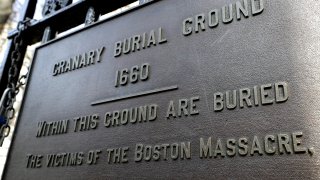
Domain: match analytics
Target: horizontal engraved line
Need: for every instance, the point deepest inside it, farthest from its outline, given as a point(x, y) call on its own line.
point(154, 91)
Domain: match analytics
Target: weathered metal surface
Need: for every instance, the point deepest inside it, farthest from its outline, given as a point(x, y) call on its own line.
point(81, 112)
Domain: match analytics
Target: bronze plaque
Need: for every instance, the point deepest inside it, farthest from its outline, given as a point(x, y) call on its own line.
point(178, 89)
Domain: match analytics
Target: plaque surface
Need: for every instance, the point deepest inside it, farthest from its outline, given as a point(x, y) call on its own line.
point(178, 89)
